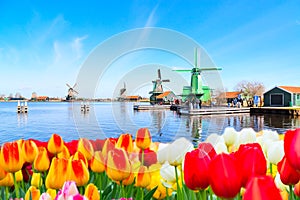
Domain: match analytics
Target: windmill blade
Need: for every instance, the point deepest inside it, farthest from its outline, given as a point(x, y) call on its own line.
point(75, 85)
point(182, 70)
point(159, 74)
point(124, 85)
point(210, 68)
point(75, 91)
point(68, 85)
point(166, 80)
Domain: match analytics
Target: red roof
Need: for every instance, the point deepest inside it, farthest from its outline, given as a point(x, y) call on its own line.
point(132, 97)
point(231, 95)
point(291, 89)
point(163, 95)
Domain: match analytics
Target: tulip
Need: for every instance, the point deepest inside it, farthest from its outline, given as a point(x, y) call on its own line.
point(109, 144)
point(45, 196)
point(55, 144)
point(79, 156)
point(78, 172)
point(91, 192)
point(36, 180)
point(97, 163)
point(297, 189)
point(281, 186)
point(125, 142)
point(85, 147)
point(29, 150)
point(214, 139)
point(118, 166)
point(2, 173)
point(150, 157)
point(251, 161)
point(51, 192)
point(8, 180)
point(162, 153)
point(68, 191)
point(143, 178)
point(41, 162)
point(10, 157)
point(57, 174)
point(64, 153)
point(32, 193)
point(72, 146)
point(221, 147)
point(292, 147)
point(19, 176)
point(275, 152)
point(168, 173)
point(177, 150)
point(143, 138)
point(225, 178)
point(196, 173)
point(129, 180)
point(262, 187)
point(207, 148)
point(246, 135)
point(230, 136)
point(288, 175)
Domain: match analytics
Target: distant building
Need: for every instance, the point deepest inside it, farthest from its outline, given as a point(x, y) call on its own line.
point(42, 98)
point(166, 97)
point(282, 96)
point(133, 98)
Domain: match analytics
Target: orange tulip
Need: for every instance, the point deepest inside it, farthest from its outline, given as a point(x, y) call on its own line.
point(29, 150)
point(118, 166)
point(129, 180)
point(79, 156)
point(109, 144)
point(143, 178)
point(97, 163)
point(86, 148)
point(55, 144)
point(78, 172)
point(125, 142)
point(64, 153)
point(41, 162)
point(8, 180)
point(143, 138)
point(10, 157)
point(91, 192)
point(57, 174)
point(33, 193)
point(2, 173)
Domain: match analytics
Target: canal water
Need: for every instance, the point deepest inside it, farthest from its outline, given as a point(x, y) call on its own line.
point(112, 119)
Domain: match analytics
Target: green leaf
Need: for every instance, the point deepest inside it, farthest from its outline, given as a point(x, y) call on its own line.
point(107, 190)
point(149, 195)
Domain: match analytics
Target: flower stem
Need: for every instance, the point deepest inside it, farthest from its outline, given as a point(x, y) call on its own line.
point(271, 170)
point(177, 182)
point(7, 192)
point(16, 186)
point(291, 192)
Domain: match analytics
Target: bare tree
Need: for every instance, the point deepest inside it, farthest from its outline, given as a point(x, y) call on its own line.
point(250, 89)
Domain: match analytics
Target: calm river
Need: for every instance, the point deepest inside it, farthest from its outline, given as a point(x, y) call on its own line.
point(111, 119)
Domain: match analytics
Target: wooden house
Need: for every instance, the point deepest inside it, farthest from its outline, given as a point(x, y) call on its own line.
point(282, 96)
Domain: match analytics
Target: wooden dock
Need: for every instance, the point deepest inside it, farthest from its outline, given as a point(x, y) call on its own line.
point(213, 111)
point(294, 111)
point(151, 107)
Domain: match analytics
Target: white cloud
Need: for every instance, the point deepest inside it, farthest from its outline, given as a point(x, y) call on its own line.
point(151, 18)
point(77, 46)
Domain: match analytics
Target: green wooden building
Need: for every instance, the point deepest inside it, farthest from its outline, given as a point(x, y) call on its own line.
point(282, 96)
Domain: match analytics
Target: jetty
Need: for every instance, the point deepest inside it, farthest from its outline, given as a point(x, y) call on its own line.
point(22, 107)
point(151, 107)
point(212, 111)
point(294, 111)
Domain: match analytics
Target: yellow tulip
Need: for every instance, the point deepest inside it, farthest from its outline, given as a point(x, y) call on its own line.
point(97, 163)
point(41, 162)
point(143, 178)
point(8, 180)
point(55, 144)
point(125, 142)
point(51, 192)
point(10, 157)
point(78, 172)
point(29, 150)
point(91, 192)
point(36, 180)
point(85, 147)
point(143, 138)
point(2, 173)
point(57, 174)
point(64, 153)
point(129, 180)
point(33, 193)
point(118, 166)
point(19, 176)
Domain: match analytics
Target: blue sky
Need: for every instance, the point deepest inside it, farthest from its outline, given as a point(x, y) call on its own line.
point(43, 44)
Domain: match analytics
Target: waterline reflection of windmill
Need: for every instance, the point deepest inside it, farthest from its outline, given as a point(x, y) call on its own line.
point(71, 92)
point(196, 90)
point(157, 88)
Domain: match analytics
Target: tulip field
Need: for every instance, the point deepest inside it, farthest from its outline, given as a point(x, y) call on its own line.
point(235, 165)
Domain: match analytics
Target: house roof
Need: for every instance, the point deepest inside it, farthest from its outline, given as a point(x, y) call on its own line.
point(291, 89)
point(231, 95)
point(42, 97)
point(132, 97)
point(163, 95)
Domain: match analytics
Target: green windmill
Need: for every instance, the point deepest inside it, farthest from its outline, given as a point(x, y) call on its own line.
point(196, 89)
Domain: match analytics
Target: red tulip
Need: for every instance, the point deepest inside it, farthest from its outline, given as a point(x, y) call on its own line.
point(196, 173)
point(251, 161)
point(292, 147)
point(72, 146)
point(143, 138)
point(11, 159)
point(225, 178)
point(262, 187)
point(125, 142)
point(288, 175)
point(150, 157)
point(208, 148)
